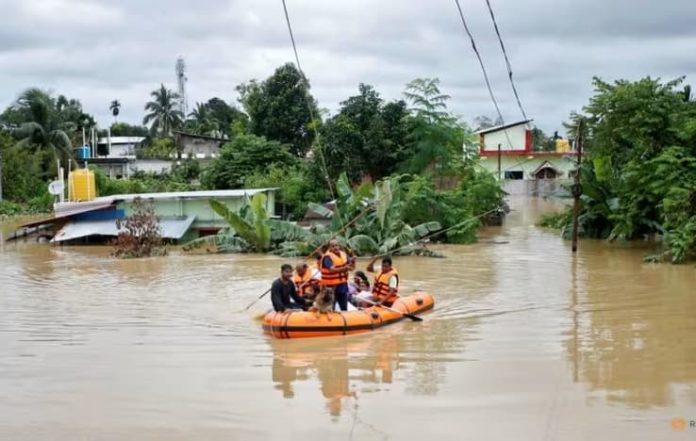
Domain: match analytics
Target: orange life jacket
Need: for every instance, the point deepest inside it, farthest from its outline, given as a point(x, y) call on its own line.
point(332, 279)
point(381, 290)
point(306, 280)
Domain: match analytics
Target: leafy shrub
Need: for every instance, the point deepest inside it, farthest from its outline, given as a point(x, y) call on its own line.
point(140, 235)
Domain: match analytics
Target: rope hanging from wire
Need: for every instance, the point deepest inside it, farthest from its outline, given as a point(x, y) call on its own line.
point(311, 112)
point(507, 60)
point(483, 69)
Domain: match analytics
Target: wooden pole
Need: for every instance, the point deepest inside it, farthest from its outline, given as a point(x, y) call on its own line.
point(499, 153)
point(577, 188)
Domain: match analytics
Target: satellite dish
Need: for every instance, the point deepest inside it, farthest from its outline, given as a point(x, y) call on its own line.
point(56, 188)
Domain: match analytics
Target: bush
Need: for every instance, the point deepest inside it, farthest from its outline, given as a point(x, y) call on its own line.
point(243, 157)
point(141, 235)
point(297, 187)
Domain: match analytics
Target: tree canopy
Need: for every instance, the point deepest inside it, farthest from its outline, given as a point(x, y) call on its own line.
point(278, 108)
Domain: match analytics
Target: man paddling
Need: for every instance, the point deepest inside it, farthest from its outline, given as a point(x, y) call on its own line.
point(283, 291)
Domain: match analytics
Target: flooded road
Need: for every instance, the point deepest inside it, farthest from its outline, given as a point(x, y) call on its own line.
point(526, 342)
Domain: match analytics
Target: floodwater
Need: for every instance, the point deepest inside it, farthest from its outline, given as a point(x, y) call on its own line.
point(526, 342)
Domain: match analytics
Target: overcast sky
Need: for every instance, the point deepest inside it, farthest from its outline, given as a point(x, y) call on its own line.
point(101, 50)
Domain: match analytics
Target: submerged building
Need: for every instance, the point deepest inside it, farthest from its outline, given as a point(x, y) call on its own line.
point(183, 216)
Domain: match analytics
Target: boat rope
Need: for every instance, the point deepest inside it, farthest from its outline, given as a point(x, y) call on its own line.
point(313, 122)
point(428, 236)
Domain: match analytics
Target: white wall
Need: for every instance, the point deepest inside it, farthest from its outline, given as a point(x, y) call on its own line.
point(517, 135)
point(151, 165)
point(122, 151)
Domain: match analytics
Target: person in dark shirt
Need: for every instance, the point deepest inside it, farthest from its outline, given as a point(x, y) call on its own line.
point(283, 293)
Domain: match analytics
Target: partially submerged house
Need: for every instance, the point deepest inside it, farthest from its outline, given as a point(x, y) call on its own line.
point(508, 152)
point(183, 216)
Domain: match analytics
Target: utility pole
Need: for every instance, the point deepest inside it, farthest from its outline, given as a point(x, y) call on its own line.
point(577, 187)
point(0, 176)
point(499, 153)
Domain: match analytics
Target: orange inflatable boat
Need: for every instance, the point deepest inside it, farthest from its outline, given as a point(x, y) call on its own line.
point(301, 324)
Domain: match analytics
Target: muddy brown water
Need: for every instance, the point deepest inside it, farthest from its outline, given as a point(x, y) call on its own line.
point(526, 342)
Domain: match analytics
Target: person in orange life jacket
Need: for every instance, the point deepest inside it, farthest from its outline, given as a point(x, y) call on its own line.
point(305, 281)
point(385, 289)
point(335, 265)
point(283, 293)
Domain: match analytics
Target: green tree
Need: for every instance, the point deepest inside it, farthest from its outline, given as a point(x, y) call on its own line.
point(21, 171)
point(160, 148)
point(639, 170)
point(297, 186)
point(242, 157)
point(42, 128)
point(227, 117)
point(436, 138)
point(278, 108)
point(163, 114)
point(201, 121)
point(124, 129)
point(366, 137)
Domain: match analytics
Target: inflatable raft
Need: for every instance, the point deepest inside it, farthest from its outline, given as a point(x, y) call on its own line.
point(301, 324)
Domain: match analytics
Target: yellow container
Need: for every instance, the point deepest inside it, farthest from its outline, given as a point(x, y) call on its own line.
point(562, 146)
point(81, 185)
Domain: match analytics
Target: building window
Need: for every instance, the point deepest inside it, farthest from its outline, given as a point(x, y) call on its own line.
point(514, 174)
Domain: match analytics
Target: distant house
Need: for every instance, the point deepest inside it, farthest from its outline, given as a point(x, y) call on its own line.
point(116, 157)
point(118, 146)
point(198, 146)
point(507, 151)
point(183, 216)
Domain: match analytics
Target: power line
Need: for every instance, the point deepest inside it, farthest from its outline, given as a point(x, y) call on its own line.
point(483, 69)
point(311, 111)
point(507, 60)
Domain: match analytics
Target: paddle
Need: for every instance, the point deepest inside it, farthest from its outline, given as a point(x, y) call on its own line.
point(252, 303)
point(411, 316)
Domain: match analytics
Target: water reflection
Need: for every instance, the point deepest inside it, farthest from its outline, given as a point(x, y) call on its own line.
point(344, 367)
point(631, 338)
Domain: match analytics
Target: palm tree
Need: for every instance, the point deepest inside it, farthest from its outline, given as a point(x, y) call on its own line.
point(202, 120)
point(115, 108)
point(163, 115)
point(43, 131)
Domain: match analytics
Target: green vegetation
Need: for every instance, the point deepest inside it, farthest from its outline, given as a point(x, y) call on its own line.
point(163, 115)
point(639, 176)
point(278, 108)
point(139, 233)
point(399, 167)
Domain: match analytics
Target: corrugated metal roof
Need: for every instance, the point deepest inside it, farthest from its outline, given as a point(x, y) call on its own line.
point(189, 194)
point(71, 210)
point(171, 228)
point(76, 207)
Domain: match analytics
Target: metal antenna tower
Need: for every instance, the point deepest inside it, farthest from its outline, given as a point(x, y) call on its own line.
point(181, 82)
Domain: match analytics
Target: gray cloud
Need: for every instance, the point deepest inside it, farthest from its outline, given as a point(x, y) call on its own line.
point(99, 50)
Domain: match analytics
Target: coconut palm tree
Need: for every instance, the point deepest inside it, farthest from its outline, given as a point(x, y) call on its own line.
point(163, 113)
point(43, 130)
point(202, 120)
point(115, 108)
